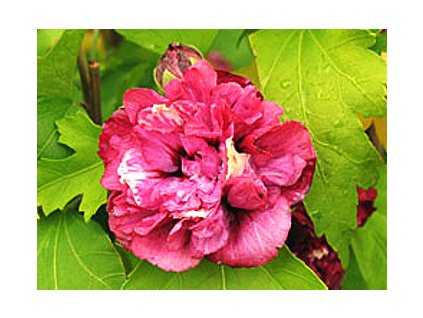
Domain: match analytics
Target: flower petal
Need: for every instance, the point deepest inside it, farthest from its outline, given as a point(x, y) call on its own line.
point(210, 234)
point(196, 84)
point(179, 235)
point(255, 236)
point(111, 178)
point(246, 193)
point(248, 107)
point(160, 118)
point(289, 138)
point(282, 171)
point(124, 216)
point(296, 192)
point(229, 93)
point(226, 77)
point(137, 99)
point(116, 136)
point(155, 248)
point(208, 122)
point(157, 151)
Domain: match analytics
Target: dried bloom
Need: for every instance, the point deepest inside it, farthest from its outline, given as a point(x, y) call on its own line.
point(207, 170)
point(365, 206)
point(315, 251)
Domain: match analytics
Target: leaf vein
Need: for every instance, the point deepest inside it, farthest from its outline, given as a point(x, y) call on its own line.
point(339, 71)
point(278, 55)
point(267, 273)
point(79, 260)
point(70, 176)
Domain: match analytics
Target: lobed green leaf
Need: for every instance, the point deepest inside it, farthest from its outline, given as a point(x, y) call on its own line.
point(60, 180)
point(73, 254)
point(284, 272)
point(55, 88)
point(323, 78)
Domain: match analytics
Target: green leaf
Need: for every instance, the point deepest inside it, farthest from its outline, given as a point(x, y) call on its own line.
point(73, 254)
point(234, 46)
point(322, 78)
point(381, 42)
point(57, 69)
point(367, 268)
point(127, 67)
point(284, 272)
point(49, 110)
point(46, 39)
point(130, 261)
point(60, 180)
point(158, 40)
point(369, 247)
point(381, 187)
point(353, 279)
point(55, 78)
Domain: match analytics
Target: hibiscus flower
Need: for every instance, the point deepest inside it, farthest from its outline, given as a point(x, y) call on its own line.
point(207, 170)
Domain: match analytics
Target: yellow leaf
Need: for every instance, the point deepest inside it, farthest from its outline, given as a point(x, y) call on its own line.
point(380, 126)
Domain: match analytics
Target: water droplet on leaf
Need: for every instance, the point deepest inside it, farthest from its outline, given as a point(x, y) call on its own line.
point(285, 84)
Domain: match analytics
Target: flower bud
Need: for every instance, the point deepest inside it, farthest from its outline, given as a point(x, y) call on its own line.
point(176, 59)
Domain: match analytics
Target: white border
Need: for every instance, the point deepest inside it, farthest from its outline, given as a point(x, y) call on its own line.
point(18, 65)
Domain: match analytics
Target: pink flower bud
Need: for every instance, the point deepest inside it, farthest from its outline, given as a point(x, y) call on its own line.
point(177, 58)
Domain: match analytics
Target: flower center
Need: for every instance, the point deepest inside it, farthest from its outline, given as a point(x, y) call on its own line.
point(158, 107)
point(237, 162)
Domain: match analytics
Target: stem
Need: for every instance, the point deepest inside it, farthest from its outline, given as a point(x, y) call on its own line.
point(95, 102)
point(85, 79)
point(94, 45)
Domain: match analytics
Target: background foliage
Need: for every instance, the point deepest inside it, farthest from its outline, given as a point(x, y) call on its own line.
point(324, 78)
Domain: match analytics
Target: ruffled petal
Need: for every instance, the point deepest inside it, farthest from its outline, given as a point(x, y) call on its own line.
point(210, 234)
point(208, 122)
point(289, 138)
point(248, 107)
point(195, 85)
point(137, 99)
point(255, 236)
point(195, 166)
point(226, 77)
point(227, 93)
point(111, 178)
point(157, 151)
point(283, 171)
point(155, 248)
point(149, 223)
point(296, 192)
point(179, 236)
point(160, 118)
point(246, 193)
point(125, 216)
point(198, 81)
point(116, 136)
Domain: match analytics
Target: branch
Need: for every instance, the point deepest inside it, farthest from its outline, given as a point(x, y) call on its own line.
point(85, 80)
point(95, 101)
